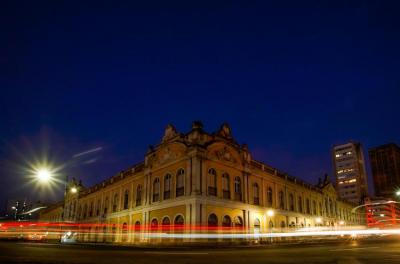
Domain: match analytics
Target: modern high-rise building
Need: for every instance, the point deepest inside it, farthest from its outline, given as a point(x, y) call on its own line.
point(385, 165)
point(351, 176)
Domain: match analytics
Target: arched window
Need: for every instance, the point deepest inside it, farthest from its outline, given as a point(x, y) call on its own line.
point(212, 182)
point(180, 178)
point(281, 200)
point(179, 220)
point(115, 203)
point(212, 220)
point(238, 189)
point(126, 199)
point(154, 224)
point(291, 202)
point(314, 207)
point(98, 207)
point(226, 191)
point(79, 214)
point(167, 186)
point(156, 190)
point(256, 194)
point(84, 211)
point(300, 204)
point(238, 221)
point(308, 210)
point(326, 206)
point(226, 221)
point(105, 210)
point(257, 224)
point(269, 196)
point(124, 232)
point(91, 209)
point(74, 209)
point(139, 195)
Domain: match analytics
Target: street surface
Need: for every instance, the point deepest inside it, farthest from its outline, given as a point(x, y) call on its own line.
point(367, 251)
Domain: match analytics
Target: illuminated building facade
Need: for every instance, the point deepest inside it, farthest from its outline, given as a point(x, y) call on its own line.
point(203, 179)
point(385, 165)
point(351, 176)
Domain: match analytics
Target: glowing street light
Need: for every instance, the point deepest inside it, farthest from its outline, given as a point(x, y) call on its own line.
point(74, 190)
point(270, 213)
point(318, 220)
point(341, 222)
point(44, 175)
point(398, 193)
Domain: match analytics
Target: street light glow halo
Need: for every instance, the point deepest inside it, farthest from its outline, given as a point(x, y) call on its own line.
point(44, 175)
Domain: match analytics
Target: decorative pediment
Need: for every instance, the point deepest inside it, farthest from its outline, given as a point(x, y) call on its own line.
point(165, 155)
point(170, 132)
point(224, 154)
point(329, 188)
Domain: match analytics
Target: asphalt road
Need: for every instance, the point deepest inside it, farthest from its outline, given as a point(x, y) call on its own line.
point(367, 251)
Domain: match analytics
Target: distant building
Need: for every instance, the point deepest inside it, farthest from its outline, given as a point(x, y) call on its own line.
point(21, 210)
point(382, 212)
point(53, 213)
point(351, 176)
point(16, 208)
point(385, 165)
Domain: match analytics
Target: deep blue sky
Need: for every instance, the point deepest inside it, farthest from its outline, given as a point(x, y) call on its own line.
point(292, 79)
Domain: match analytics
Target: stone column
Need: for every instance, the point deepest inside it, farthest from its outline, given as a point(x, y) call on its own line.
point(197, 172)
point(245, 193)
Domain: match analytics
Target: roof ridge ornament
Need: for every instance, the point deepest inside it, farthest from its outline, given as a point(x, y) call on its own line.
point(225, 131)
point(197, 125)
point(169, 132)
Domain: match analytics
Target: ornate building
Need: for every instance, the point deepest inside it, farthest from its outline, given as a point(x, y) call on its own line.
point(201, 179)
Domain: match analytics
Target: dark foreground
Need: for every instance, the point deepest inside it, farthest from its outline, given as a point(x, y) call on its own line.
point(366, 251)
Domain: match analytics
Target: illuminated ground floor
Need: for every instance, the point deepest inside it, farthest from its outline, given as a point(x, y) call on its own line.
point(198, 216)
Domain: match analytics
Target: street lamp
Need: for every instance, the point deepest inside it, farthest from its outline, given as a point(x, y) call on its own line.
point(44, 175)
point(398, 193)
point(74, 190)
point(270, 213)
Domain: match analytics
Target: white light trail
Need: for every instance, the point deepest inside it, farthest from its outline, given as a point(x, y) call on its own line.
point(87, 152)
point(352, 233)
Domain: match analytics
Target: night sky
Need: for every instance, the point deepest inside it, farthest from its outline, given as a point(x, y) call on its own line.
point(291, 78)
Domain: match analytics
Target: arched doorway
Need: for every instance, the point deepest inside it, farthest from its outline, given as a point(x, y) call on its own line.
point(124, 232)
point(257, 225)
point(238, 222)
point(226, 221)
point(179, 222)
point(114, 233)
point(166, 223)
point(154, 224)
point(212, 221)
